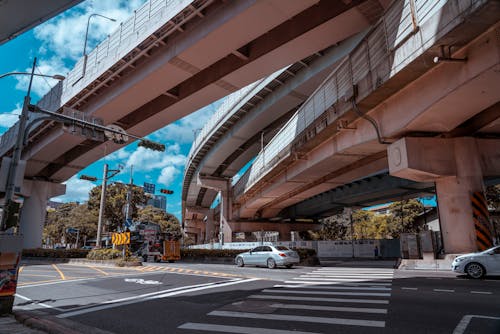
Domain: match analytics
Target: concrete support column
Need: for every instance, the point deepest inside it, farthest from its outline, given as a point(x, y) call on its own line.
point(454, 198)
point(210, 227)
point(457, 166)
point(34, 210)
point(223, 185)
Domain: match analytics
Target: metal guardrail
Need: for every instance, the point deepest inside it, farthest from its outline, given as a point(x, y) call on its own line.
point(231, 105)
point(150, 17)
point(377, 58)
point(146, 20)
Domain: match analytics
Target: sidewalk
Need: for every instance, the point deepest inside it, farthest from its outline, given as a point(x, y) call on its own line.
point(37, 322)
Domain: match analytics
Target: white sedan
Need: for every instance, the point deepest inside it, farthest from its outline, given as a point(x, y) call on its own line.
point(476, 265)
point(270, 256)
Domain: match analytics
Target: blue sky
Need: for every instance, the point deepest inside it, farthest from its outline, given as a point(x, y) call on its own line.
point(57, 51)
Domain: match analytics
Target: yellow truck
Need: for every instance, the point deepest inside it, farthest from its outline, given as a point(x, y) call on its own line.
point(171, 250)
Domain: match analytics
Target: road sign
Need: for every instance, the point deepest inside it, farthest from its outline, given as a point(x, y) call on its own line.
point(149, 188)
point(120, 238)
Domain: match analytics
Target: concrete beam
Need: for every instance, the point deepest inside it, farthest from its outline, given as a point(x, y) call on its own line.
point(428, 159)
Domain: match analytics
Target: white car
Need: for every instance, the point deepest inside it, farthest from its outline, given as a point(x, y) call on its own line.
point(476, 265)
point(270, 256)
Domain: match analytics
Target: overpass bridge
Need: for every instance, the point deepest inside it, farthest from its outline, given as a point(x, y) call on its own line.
point(168, 60)
point(417, 98)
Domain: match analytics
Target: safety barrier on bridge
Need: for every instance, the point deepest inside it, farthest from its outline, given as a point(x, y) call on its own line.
point(398, 38)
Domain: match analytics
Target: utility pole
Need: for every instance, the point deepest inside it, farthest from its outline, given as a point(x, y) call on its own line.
point(18, 149)
point(101, 206)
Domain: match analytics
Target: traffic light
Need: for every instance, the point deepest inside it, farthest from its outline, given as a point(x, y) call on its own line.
point(151, 145)
point(166, 191)
point(88, 178)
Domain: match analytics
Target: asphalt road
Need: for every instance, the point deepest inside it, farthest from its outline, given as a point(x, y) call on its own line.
point(201, 298)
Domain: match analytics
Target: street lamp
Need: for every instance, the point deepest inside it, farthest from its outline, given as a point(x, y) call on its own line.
point(56, 76)
point(86, 38)
point(16, 156)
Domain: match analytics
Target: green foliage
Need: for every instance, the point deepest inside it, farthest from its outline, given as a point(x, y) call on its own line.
point(204, 253)
point(368, 225)
point(116, 199)
point(71, 215)
point(104, 254)
point(493, 197)
point(168, 222)
point(55, 253)
point(403, 217)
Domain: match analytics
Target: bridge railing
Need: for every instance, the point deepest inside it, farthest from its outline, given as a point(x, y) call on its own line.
point(231, 104)
point(385, 51)
point(146, 20)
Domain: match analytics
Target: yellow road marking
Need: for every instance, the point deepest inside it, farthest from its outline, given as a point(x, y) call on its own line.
point(60, 272)
point(99, 270)
point(21, 269)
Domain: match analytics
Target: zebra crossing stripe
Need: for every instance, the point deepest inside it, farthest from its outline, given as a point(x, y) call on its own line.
point(330, 308)
point(236, 329)
point(321, 320)
point(364, 288)
point(322, 299)
point(332, 282)
point(329, 293)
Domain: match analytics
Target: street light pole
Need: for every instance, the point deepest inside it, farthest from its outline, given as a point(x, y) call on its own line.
point(101, 206)
point(18, 148)
point(86, 38)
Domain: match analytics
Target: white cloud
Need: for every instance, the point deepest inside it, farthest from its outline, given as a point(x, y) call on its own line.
point(54, 33)
point(168, 175)
point(183, 130)
point(147, 160)
point(41, 85)
point(76, 190)
point(120, 154)
point(10, 118)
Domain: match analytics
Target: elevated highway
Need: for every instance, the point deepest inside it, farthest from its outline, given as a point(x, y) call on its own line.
point(417, 98)
point(168, 60)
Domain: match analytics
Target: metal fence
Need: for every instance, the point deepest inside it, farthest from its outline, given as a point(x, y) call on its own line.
point(385, 51)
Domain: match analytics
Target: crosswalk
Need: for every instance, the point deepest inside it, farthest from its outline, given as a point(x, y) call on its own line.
point(318, 300)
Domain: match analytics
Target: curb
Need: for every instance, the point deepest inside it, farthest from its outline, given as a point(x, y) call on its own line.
point(52, 325)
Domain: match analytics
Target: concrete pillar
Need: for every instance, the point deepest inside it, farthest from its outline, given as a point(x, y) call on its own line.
point(223, 185)
point(34, 210)
point(210, 227)
point(457, 166)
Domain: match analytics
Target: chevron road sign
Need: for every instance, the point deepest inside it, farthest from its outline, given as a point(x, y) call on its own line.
point(120, 238)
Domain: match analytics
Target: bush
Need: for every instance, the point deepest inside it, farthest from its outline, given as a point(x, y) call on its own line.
point(202, 253)
point(55, 253)
point(104, 254)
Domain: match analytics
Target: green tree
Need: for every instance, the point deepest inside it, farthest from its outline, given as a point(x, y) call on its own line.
point(403, 217)
point(70, 215)
point(332, 228)
point(116, 200)
point(168, 222)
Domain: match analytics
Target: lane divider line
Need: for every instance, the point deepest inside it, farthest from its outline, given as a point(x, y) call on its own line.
point(59, 271)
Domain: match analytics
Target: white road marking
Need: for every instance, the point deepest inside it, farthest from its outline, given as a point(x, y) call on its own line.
point(443, 290)
point(142, 281)
point(405, 288)
point(482, 292)
point(236, 329)
point(329, 293)
point(338, 283)
point(331, 308)
point(304, 286)
point(318, 299)
point(464, 323)
point(321, 320)
point(360, 279)
point(155, 295)
point(37, 303)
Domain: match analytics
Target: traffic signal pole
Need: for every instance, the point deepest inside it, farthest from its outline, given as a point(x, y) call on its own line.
point(101, 206)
